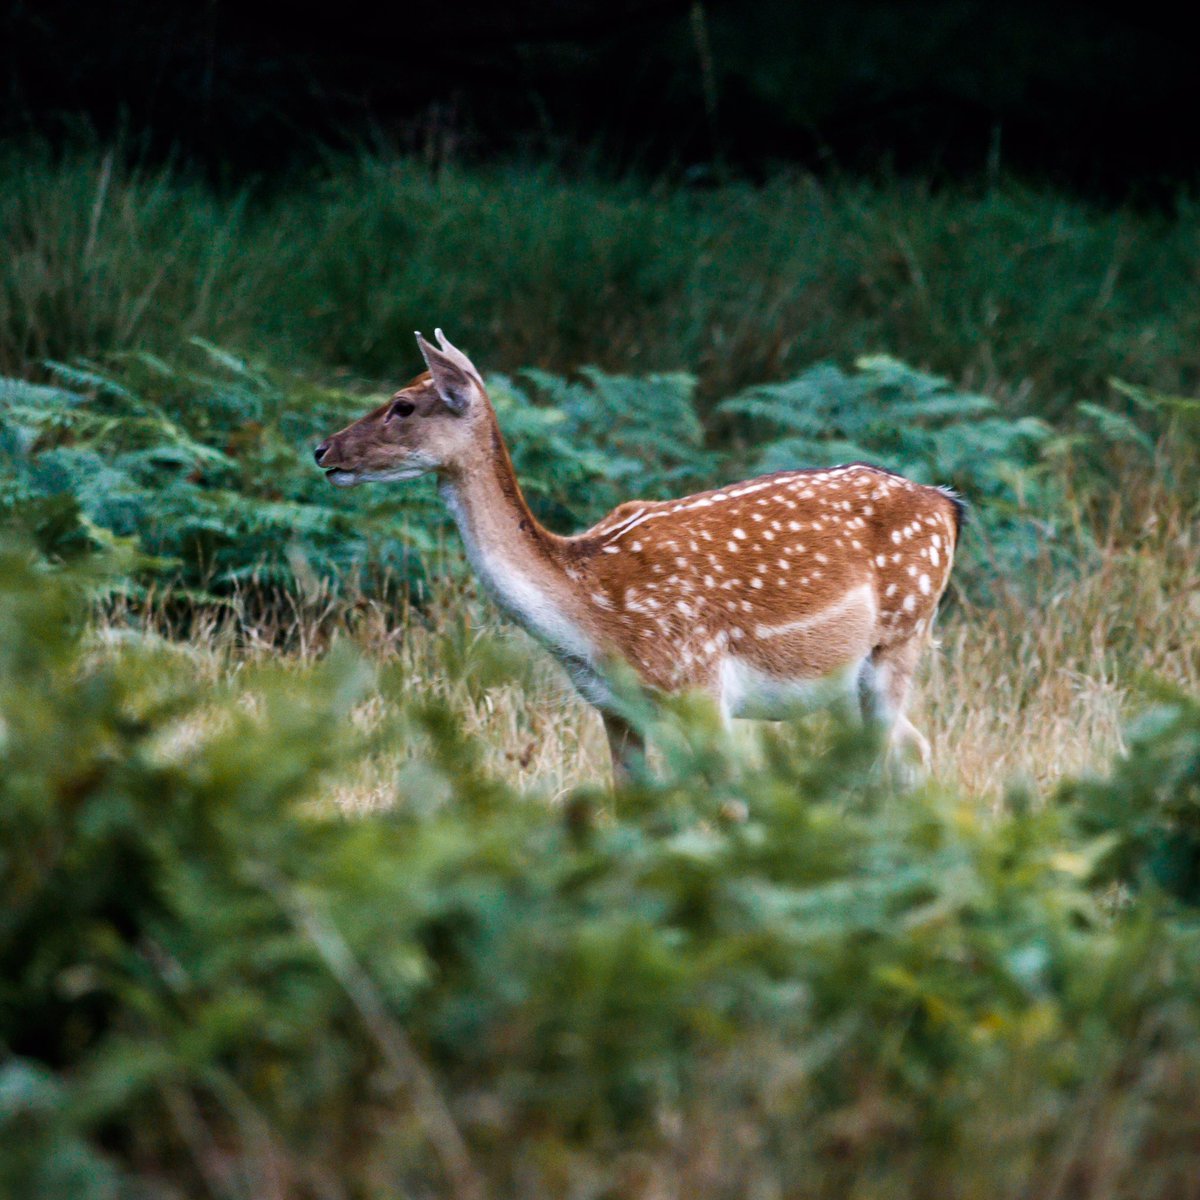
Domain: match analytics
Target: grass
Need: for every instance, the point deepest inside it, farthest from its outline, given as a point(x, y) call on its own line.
point(1031, 689)
point(925, 1072)
point(216, 985)
point(1027, 295)
point(497, 979)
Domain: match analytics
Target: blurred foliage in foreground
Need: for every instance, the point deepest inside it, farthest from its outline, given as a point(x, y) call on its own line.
point(207, 467)
point(211, 984)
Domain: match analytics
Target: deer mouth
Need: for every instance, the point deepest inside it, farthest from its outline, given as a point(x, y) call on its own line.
point(340, 477)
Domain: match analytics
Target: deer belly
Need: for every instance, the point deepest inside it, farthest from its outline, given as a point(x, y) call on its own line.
point(791, 665)
point(750, 692)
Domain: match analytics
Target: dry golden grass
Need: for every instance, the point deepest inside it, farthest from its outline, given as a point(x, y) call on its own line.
point(1035, 687)
point(1040, 686)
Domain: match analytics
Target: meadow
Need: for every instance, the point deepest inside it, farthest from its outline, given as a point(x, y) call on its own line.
point(314, 884)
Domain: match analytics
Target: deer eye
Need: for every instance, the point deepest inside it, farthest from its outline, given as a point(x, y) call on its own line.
point(402, 408)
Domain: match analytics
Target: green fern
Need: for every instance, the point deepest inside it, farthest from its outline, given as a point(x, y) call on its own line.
point(207, 466)
point(920, 425)
point(206, 462)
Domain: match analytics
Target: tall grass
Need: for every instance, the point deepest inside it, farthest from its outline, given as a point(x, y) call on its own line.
point(96, 255)
point(1022, 293)
point(1032, 687)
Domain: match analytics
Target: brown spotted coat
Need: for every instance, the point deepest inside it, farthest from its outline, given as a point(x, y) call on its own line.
point(751, 592)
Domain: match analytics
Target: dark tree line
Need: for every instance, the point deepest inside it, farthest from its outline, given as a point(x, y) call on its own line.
point(1097, 97)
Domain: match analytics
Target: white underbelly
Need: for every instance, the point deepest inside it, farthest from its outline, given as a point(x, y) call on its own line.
point(749, 692)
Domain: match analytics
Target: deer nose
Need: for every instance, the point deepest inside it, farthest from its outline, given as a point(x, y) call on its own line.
point(320, 452)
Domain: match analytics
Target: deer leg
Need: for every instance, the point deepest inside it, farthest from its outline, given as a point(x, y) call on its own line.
point(625, 744)
point(885, 693)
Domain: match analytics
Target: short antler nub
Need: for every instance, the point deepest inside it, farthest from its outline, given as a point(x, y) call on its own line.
point(454, 375)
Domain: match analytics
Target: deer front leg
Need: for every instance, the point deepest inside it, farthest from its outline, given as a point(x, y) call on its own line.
point(626, 745)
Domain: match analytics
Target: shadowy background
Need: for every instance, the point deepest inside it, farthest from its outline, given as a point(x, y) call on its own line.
point(1097, 98)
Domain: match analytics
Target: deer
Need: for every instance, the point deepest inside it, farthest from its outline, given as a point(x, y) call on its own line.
point(760, 594)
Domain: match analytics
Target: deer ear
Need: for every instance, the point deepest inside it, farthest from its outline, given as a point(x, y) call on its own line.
point(454, 375)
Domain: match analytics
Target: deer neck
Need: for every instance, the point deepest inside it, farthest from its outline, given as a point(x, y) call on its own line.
point(516, 559)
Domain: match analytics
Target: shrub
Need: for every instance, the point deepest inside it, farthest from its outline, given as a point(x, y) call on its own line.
point(208, 469)
point(921, 426)
point(209, 981)
point(1148, 808)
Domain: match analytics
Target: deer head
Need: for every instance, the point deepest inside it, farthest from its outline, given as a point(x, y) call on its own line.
point(439, 422)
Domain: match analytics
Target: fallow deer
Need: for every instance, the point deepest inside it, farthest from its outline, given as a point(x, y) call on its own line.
point(755, 593)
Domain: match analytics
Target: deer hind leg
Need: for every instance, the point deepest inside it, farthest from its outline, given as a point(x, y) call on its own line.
point(626, 745)
point(884, 689)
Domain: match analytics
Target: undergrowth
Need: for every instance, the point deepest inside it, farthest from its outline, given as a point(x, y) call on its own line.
point(310, 884)
point(1017, 292)
point(212, 984)
point(206, 466)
